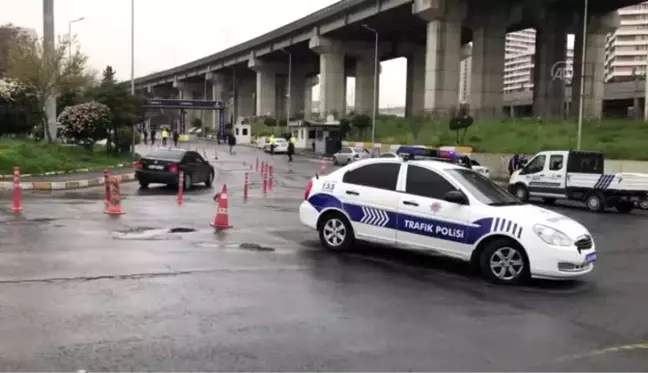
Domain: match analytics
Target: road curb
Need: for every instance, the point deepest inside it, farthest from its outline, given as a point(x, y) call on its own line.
point(56, 173)
point(63, 185)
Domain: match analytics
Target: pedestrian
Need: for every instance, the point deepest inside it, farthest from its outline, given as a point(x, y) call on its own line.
point(272, 143)
point(176, 137)
point(231, 141)
point(165, 136)
point(145, 133)
point(152, 136)
point(514, 164)
point(291, 148)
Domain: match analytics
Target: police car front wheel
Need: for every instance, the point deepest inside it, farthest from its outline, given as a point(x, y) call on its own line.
point(504, 262)
point(335, 232)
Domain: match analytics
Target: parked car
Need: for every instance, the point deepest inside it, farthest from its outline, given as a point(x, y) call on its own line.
point(347, 155)
point(281, 146)
point(163, 166)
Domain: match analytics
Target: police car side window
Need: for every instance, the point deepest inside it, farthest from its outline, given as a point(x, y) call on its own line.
point(426, 183)
point(377, 175)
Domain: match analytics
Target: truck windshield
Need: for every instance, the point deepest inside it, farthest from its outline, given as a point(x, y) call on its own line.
point(483, 188)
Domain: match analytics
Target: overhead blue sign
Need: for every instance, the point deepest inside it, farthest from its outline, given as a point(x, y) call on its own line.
point(184, 104)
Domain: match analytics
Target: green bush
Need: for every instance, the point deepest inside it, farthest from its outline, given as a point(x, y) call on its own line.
point(269, 121)
point(124, 140)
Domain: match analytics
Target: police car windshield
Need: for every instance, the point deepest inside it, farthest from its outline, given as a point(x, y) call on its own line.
point(483, 189)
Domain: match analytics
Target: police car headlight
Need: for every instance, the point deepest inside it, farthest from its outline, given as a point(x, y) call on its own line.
point(552, 236)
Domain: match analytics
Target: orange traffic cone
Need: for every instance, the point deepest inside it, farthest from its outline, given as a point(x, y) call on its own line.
point(221, 221)
point(114, 205)
point(323, 166)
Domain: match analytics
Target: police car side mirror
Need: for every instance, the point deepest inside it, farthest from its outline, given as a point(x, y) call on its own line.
point(455, 196)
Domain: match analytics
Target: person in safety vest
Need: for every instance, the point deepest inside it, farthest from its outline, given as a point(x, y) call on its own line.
point(291, 148)
point(165, 136)
point(272, 143)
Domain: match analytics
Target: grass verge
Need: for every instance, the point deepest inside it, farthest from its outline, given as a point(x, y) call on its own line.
point(37, 157)
point(618, 139)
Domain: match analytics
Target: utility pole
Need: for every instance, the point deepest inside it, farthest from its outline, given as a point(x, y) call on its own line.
point(48, 54)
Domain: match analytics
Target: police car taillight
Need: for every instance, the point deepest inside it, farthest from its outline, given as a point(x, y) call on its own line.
point(309, 186)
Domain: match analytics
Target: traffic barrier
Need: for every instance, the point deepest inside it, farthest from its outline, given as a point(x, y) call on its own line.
point(16, 206)
point(107, 187)
point(245, 187)
point(270, 178)
point(181, 177)
point(114, 207)
point(221, 220)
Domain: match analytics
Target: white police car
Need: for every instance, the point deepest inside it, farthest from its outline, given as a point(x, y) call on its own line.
point(449, 209)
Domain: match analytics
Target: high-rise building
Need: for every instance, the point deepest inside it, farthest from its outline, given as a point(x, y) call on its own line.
point(518, 64)
point(627, 47)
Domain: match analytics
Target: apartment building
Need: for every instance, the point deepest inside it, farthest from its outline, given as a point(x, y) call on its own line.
point(627, 47)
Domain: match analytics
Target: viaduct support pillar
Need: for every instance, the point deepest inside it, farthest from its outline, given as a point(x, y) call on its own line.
point(594, 74)
point(487, 70)
point(332, 76)
point(415, 89)
point(266, 88)
point(443, 54)
point(550, 57)
point(308, 96)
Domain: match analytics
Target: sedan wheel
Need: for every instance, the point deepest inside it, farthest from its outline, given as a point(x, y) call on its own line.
point(335, 232)
point(504, 262)
point(187, 182)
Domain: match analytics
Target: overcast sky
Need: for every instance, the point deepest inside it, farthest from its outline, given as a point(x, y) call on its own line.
point(171, 32)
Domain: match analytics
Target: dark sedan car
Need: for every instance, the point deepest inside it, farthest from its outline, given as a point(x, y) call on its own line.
point(163, 166)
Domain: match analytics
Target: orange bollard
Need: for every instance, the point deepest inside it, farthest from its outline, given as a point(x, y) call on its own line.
point(263, 167)
point(323, 166)
point(216, 154)
point(17, 193)
point(257, 165)
point(270, 177)
point(114, 207)
point(221, 220)
point(245, 187)
point(264, 176)
point(180, 188)
point(107, 187)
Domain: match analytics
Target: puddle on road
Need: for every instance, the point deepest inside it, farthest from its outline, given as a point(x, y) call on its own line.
point(151, 234)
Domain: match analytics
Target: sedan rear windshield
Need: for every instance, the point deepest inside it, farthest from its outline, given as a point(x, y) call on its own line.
point(166, 154)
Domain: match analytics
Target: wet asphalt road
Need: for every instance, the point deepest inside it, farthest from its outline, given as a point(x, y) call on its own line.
point(81, 290)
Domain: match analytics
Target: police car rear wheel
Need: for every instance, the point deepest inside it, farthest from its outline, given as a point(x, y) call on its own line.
point(335, 232)
point(504, 262)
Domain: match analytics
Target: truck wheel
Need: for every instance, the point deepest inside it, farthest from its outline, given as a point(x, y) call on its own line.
point(624, 206)
point(595, 201)
point(521, 192)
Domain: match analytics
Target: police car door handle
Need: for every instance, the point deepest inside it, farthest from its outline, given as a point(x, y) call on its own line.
point(410, 203)
point(354, 193)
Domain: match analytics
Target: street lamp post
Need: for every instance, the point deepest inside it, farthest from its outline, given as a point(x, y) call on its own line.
point(581, 99)
point(289, 89)
point(132, 67)
point(70, 36)
point(375, 90)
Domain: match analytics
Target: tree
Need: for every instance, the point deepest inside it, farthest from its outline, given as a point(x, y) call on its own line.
point(361, 122)
point(9, 34)
point(47, 75)
point(125, 108)
point(19, 110)
point(345, 127)
point(86, 123)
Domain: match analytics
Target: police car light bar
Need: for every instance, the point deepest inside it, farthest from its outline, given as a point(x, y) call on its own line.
point(416, 152)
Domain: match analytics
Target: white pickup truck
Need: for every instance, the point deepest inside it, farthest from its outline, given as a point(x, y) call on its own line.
point(578, 176)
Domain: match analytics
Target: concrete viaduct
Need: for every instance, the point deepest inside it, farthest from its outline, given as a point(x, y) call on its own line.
point(333, 43)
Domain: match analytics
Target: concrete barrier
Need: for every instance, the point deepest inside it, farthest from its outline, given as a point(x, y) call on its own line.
point(498, 162)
